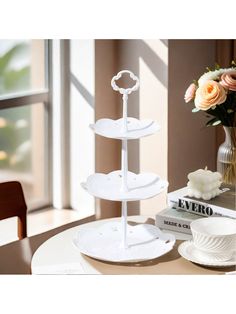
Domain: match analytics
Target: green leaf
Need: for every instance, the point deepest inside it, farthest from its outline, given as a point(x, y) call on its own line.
point(10, 54)
point(17, 79)
point(195, 109)
point(214, 121)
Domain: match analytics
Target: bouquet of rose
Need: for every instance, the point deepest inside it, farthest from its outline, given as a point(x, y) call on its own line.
point(215, 93)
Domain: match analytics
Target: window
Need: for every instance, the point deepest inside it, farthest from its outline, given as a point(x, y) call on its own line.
point(24, 108)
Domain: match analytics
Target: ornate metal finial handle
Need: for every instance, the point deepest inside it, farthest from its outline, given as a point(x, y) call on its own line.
point(121, 90)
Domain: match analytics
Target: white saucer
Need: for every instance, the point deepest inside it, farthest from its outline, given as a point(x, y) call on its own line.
point(145, 242)
point(188, 250)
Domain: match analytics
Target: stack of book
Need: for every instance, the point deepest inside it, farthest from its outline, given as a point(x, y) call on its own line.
point(182, 210)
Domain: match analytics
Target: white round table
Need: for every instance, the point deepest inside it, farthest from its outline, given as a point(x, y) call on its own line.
point(58, 255)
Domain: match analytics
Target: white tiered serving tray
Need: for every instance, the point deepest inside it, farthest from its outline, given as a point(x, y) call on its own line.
point(122, 242)
point(135, 128)
point(140, 186)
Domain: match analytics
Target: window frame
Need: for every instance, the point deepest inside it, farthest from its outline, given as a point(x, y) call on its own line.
point(43, 96)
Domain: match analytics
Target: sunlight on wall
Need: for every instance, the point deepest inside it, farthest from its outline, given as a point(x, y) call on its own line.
point(159, 48)
point(82, 114)
point(153, 105)
point(148, 59)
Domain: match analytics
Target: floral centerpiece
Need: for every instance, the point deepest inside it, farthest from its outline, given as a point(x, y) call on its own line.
point(215, 94)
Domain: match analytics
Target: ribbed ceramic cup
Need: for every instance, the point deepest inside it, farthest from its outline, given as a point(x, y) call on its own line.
point(214, 237)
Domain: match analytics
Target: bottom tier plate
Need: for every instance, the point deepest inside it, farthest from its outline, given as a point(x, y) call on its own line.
point(145, 242)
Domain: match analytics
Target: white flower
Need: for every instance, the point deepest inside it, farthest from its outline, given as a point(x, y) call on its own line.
point(212, 75)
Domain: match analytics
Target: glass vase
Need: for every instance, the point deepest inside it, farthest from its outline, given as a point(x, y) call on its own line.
point(226, 157)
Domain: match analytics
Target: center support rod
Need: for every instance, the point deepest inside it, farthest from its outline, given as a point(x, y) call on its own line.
point(124, 224)
point(125, 100)
point(124, 154)
point(124, 172)
point(124, 166)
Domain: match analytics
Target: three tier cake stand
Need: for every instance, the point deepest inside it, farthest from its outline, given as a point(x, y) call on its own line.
point(120, 241)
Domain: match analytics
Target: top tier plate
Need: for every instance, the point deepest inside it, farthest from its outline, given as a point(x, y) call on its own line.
point(136, 128)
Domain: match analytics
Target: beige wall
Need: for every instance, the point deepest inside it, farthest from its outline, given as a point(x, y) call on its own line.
point(165, 69)
point(106, 106)
point(190, 144)
point(148, 59)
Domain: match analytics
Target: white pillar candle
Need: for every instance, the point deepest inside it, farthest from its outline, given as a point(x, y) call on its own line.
point(204, 184)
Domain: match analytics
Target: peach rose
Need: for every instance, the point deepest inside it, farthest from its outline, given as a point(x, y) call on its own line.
point(190, 93)
point(209, 94)
point(228, 80)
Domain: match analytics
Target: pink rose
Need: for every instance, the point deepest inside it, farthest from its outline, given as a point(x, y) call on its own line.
point(190, 93)
point(209, 94)
point(228, 80)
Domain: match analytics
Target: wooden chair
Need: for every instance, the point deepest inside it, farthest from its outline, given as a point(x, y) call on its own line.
point(12, 204)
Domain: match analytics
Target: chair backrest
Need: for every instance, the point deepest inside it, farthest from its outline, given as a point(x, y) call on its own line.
point(12, 204)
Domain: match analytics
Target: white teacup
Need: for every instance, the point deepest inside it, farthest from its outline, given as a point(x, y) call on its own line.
point(214, 237)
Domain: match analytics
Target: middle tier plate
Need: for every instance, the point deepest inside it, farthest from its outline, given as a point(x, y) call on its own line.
point(136, 128)
point(140, 186)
